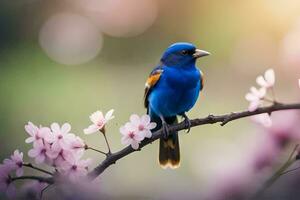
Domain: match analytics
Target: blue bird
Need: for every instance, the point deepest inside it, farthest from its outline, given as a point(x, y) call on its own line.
point(172, 89)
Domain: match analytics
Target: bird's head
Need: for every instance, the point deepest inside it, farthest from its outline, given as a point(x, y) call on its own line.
point(182, 54)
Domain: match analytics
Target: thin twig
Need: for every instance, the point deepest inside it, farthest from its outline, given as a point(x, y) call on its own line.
point(291, 170)
point(291, 159)
point(36, 168)
point(106, 141)
point(49, 180)
point(44, 189)
point(99, 151)
point(267, 100)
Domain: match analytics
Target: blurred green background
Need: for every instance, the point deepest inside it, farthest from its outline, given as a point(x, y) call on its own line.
point(49, 73)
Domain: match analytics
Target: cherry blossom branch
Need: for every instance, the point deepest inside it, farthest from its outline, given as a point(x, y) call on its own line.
point(211, 119)
point(49, 180)
point(29, 165)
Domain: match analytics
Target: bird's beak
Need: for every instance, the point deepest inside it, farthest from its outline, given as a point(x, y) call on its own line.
point(200, 53)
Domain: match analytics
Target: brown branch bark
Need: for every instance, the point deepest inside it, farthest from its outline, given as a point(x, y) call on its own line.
point(29, 165)
point(211, 119)
point(49, 180)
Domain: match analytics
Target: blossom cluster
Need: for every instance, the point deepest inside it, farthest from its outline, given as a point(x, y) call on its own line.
point(62, 150)
point(133, 132)
point(258, 96)
point(136, 130)
point(57, 147)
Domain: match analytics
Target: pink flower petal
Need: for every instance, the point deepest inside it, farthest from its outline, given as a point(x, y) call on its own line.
point(261, 81)
point(29, 130)
point(123, 130)
point(56, 147)
point(139, 136)
point(19, 172)
point(253, 106)
point(148, 134)
point(270, 77)
point(135, 119)
point(33, 153)
point(109, 115)
point(40, 159)
point(125, 140)
point(152, 125)
point(66, 127)
point(55, 127)
point(96, 117)
point(91, 129)
point(145, 119)
point(30, 140)
point(50, 138)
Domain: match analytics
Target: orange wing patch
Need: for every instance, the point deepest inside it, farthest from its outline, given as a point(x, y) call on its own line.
point(151, 81)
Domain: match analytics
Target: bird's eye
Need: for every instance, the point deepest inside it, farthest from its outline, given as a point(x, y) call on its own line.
point(184, 52)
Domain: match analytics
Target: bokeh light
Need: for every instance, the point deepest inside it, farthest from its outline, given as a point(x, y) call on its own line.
point(120, 18)
point(291, 47)
point(70, 39)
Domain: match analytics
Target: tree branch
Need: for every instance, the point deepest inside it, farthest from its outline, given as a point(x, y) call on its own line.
point(211, 119)
point(49, 180)
point(29, 165)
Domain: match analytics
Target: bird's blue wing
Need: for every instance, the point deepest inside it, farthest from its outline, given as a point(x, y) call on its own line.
point(151, 82)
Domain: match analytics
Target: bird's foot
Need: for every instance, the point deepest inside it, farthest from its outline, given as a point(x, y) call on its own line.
point(187, 122)
point(166, 131)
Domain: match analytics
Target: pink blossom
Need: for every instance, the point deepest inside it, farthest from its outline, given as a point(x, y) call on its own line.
point(299, 83)
point(142, 124)
point(255, 97)
point(36, 134)
point(263, 119)
point(131, 136)
point(16, 162)
point(77, 144)
point(268, 80)
point(59, 156)
point(75, 168)
point(39, 152)
point(61, 137)
point(99, 121)
point(6, 185)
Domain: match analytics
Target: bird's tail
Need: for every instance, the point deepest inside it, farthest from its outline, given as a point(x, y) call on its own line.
point(169, 152)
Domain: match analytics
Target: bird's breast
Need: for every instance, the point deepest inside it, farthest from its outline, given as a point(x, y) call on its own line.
point(182, 78)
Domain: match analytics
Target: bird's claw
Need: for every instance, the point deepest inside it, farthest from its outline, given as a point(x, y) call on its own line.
point(165, 128)
point(187, 123)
